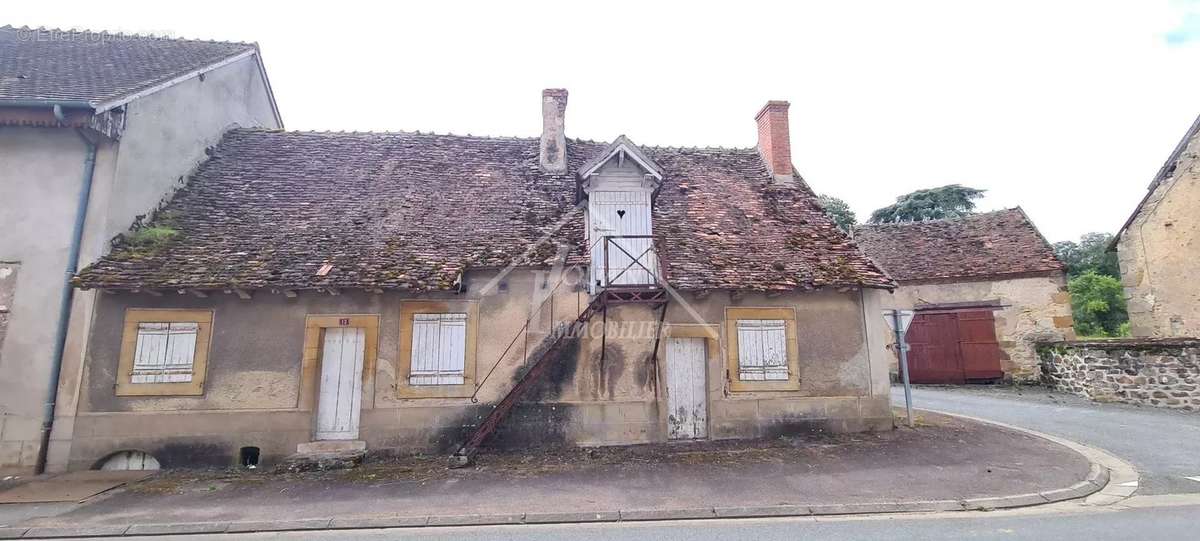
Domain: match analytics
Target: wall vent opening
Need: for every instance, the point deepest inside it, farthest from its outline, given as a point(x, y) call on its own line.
point(249, 457)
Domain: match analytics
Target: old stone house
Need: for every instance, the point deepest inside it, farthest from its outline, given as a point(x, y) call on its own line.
point(986, 287)
point(1159, 245)
point(95, 131)
point(410, 291)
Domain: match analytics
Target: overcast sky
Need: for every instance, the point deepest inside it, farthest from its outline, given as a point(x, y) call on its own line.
point(1064, 108)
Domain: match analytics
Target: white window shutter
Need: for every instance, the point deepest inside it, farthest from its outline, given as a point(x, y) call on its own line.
point(750, 360)
point(165, 352)
point(438, 349)
point(423, 369)
point(762, 350)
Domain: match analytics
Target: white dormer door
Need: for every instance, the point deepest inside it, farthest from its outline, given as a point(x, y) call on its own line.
point(621, 213)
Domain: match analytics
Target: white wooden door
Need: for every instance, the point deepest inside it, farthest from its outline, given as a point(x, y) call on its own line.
point(687, 397)
point(621, 213)
point(341, 383)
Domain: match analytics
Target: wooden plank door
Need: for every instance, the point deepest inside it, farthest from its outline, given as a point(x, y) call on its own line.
point(622, 213)
point(687, 397)
point(934, 355)
point(340, 397)
point(981, 352)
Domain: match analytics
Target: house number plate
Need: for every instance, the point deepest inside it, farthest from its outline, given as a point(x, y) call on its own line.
point(344, 321)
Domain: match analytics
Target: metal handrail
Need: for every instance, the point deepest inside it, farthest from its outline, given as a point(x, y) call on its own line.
point(611, 239)
point(607, 239)
point(524, 330)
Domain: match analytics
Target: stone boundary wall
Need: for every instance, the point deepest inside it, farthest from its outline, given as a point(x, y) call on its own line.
point(1159, 372)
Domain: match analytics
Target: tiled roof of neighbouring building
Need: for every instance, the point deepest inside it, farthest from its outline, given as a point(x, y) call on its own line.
point(95, 67)
point(991, 244)
point(404, 210)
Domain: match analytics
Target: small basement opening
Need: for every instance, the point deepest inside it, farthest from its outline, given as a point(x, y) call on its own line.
point(249, 457)
point(130, 460)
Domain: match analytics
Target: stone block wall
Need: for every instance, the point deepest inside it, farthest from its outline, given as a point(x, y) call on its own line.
point(1162, 372)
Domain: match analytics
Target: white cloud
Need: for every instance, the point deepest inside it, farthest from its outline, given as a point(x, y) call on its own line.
point(1064, 108)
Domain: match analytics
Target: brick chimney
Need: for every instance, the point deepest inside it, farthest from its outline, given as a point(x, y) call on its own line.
point(774, 142)
point(553, 149)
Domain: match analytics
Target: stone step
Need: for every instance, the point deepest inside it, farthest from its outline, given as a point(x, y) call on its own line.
point(330, 446)
point(304, 462)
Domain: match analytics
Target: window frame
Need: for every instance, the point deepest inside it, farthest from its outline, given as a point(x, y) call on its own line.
point(788, 316)
point(408, 309)
point(134, 317)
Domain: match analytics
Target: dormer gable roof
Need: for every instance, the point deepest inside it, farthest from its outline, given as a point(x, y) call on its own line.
point(620, 149)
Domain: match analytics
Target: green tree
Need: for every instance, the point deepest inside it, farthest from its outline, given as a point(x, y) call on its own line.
point(1090, 253)
point(1098, 305)
point(949, 201)
point(839, 211)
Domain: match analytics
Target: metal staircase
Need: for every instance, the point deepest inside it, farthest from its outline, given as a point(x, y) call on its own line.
point(543, 356)
point(549, 350)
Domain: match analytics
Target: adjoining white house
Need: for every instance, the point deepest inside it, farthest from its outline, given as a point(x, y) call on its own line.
point(96, 130)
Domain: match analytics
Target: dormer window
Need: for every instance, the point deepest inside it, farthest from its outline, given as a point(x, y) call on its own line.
point(620, 184)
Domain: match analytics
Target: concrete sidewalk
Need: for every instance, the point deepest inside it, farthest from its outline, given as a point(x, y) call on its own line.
point(943, 464)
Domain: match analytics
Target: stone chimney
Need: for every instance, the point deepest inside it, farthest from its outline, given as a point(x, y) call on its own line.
point(774, 142)
point(553, 150)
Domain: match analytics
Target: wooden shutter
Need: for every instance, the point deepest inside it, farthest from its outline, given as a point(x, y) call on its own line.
point(165, 352)
point(762, 350)
point(439, 349)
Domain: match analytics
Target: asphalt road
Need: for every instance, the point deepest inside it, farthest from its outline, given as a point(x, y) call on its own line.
point(1175, 522)
point(1164, 445)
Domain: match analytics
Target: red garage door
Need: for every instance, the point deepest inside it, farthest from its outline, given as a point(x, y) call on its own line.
point(953, 346)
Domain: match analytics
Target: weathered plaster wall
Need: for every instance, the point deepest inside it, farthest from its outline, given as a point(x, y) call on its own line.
point(41, 171)
point(1035, 309)
point(255, 395)
point(254, 373)
point(1163, 373)
point(167, 133)
point(1158, 254)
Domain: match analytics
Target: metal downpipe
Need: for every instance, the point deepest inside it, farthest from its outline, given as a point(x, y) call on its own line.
point(68, 295)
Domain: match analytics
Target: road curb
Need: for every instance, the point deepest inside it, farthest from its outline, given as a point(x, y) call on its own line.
point(1100, 487)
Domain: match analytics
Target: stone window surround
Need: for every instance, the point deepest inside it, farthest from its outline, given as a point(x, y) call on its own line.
point(788, 315)
point(136, 316)
point(404, 360)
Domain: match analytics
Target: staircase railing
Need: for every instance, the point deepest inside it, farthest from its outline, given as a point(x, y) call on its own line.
point(613, 246)
point(548, 349)
point(522, 332)
point(543, 355)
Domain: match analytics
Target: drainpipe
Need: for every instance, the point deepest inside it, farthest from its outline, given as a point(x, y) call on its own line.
point(68, 292)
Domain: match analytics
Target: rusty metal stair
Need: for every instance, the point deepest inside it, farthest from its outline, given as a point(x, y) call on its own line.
point(546, 354)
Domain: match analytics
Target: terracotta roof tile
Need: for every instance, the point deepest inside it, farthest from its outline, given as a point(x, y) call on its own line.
point(984, 245)
point(41, 64)
point(403, 210)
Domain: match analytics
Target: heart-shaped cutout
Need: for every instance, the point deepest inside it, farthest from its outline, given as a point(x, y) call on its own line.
point(620, 213)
